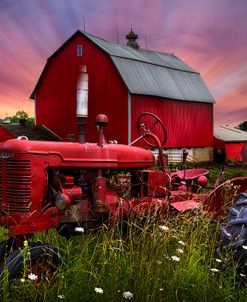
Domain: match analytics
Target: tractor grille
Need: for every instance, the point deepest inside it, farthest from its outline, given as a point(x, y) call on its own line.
point(17, 186)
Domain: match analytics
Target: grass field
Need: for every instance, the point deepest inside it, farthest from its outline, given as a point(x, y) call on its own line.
point(168, 259)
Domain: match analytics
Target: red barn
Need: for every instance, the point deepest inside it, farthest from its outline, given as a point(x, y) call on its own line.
point(124, 82)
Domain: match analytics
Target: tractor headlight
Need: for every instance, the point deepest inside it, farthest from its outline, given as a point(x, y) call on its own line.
point(62, 201)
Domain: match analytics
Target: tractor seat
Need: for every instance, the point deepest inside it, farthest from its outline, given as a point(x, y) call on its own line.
point(191, 174)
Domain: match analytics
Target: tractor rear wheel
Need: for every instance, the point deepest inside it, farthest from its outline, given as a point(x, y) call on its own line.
point(38, 261)
point(234, 234)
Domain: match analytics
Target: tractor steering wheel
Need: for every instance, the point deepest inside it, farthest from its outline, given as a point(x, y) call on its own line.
point(150, 123)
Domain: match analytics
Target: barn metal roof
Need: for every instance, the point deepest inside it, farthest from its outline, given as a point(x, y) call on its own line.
point(155, 73)
point(230, 134)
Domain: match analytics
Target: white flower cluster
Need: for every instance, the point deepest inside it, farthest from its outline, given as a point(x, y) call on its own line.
point(163, 227)
point(214, 270)
point(98, 290)
point(175, 258)
point(61, 297)
point(79, 230)
point(128, 295)
point(32, 276)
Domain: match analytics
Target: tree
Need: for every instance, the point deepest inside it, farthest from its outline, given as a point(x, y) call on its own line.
point(243, 126)
point(21, 116)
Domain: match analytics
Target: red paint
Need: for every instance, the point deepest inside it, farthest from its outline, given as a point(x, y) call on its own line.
point(190, 174)
point(233, 151)
point(188, 124)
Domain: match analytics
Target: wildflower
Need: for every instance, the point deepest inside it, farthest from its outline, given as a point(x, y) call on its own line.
point(98, 290)
point(79, 230)
point(61, 296)
point(161, 289)
point(22, 280)
point(218, 260)
point(175, 258)
point(181, 242)
point(25, 243)
point(32, 276)
point(128, 295)
point(180, 251)
point(215, 270)
point(163, 228)
point(242, 275)
point(245, 247)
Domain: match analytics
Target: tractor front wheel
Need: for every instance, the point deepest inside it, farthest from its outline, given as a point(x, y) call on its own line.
point(234, 234)
point(38, 261)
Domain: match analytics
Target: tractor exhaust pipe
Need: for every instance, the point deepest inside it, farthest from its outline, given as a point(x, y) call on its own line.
point(82, 103)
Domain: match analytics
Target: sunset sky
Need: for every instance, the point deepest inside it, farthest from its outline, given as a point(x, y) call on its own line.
point(209, 35)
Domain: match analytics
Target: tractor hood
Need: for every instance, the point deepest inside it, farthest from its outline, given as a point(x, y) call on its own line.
point(80, 155)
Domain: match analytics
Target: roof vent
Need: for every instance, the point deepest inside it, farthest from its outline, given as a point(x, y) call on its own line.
point(132, 37)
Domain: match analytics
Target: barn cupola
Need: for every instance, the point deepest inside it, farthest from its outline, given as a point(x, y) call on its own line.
point(132, 37)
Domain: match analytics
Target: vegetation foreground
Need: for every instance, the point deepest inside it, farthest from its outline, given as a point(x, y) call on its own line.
point(168, 259)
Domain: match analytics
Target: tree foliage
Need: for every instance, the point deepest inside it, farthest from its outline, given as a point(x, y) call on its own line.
point(21, 115)
point(243, 126)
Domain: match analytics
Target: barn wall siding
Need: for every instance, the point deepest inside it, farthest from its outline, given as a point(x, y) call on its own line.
point(56, 95)
point(233, 151)
point(188, 124)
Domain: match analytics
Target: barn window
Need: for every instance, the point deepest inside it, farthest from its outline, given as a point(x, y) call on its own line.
point(79, 50)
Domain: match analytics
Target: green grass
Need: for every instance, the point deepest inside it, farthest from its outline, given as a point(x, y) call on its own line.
point(139, 261)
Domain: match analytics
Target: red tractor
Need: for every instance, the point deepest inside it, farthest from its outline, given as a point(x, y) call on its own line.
point(70, 186)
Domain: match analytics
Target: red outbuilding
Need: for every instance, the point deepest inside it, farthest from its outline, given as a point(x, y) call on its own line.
point(230, 144)
point(123, 81)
